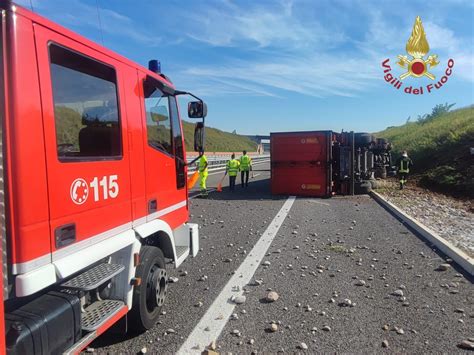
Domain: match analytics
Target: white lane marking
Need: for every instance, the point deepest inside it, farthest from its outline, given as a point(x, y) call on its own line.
point(218, 314)
point(254, 176)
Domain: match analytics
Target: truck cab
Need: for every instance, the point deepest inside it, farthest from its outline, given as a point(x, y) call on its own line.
point(94, 174)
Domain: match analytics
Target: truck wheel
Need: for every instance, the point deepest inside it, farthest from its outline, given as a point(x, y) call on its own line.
point(149, 296)
point(381, 172)
point(362, 187)
point(363, 139)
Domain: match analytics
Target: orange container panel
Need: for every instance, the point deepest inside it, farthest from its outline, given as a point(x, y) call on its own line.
point(300, 163)
point(299, 180)
point(299, 146)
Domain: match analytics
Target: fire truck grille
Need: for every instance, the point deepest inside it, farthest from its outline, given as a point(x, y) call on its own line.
point(98, 313)
point(94, 277)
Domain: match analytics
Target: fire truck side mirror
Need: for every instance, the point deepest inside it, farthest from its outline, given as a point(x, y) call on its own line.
point(197, 109)
point(199, 137)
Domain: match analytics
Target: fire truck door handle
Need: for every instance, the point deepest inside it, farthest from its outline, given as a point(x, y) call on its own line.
point(152, 206)
point(65, 235)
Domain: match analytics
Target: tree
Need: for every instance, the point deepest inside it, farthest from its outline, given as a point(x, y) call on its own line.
point(437, 111)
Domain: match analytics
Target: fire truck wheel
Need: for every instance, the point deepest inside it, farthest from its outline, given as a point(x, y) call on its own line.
point(149, 296)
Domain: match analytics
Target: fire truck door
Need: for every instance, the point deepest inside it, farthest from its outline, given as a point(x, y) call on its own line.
point(165, 180)
point(86, 140)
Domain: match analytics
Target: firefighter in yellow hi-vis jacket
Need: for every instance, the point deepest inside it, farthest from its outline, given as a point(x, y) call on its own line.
point(245, 168)
point(203, 173)
point(232, 169)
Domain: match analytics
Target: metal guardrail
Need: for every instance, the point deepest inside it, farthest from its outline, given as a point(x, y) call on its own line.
point(218, 162)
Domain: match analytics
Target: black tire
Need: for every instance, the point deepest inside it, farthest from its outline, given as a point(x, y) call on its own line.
point(392, 173)
point(380, 172)
point(362, 187)
point(149, 296)
point(363, 139)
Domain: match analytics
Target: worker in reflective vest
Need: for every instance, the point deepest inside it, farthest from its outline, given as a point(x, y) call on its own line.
point(245, 167)
point(232, 169)
point(203, 172)
point(403, 165)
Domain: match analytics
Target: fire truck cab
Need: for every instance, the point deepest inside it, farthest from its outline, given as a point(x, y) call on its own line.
point(93, 187)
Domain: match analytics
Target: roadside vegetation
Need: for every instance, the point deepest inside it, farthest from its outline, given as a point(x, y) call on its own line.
point(439, 144)
point(218, 141)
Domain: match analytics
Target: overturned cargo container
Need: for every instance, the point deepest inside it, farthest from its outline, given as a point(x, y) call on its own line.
point(326, 163)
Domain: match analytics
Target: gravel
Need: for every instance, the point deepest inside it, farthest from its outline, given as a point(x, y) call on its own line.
point(379, 249)
point(466, 345)
point(239, 299)
point(272, 296)
point(385, 252)
point(450, 218)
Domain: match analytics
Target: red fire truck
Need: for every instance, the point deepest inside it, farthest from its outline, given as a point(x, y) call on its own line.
point(93, 189)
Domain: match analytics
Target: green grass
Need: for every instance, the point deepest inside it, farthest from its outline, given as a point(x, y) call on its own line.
point(440, 150)
point(218, 141)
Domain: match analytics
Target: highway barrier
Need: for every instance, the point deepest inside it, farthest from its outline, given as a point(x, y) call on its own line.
point(218, 162)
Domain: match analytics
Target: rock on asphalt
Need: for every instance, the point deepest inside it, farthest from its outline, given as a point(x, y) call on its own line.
point(330, 259)
point(246, 214)
point(401, 288)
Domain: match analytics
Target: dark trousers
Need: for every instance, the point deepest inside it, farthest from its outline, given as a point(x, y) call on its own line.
point(246, 175)
point(232, 182)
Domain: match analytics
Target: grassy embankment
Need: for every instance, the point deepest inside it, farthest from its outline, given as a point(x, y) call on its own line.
point(218, 141)
point(440, 148)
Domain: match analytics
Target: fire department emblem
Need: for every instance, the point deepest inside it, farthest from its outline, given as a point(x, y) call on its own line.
point(417, 47)
point(79, 191)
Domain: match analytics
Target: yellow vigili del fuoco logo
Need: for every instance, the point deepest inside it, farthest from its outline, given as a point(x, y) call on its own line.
point(417, 64)
point(417, 47)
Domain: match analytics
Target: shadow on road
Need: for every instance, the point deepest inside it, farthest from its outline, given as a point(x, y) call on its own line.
point(257, 190)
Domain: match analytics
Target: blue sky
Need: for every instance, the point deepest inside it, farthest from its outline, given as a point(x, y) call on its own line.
point(265, 66)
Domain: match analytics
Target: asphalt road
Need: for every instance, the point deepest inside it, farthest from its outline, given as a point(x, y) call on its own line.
point(322, 250)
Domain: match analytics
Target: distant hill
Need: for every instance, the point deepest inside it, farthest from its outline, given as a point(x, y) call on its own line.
point(440, 148)
point(218, 141)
